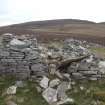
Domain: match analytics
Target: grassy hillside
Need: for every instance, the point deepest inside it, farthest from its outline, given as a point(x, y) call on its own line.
point(63, 28)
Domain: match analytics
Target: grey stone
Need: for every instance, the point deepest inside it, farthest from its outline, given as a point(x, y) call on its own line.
point(62, 88)
point(20, 84)
point(6, 38)
point(84, 66)
point(97, 76)
point(50, 95)
point(67, 101)
point(92, 78)
point(4, 53)
point(11, 90)
point(52, 68)
point(101, 64)
point(8, 60)
point(32, 55)
point(54, 82)
point(39, 69)
point(44, 82)
point(39, 90)
point(16, 42)
point(77, 75)
point(67, 76)
point(58, 74)
point(89, 72)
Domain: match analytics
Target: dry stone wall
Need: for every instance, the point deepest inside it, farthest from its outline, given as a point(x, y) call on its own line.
point(24, 58)
point(19, 58)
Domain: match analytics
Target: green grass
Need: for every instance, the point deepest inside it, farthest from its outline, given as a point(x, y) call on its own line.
point(100, 51)
point(28, 94)
point(89, 94)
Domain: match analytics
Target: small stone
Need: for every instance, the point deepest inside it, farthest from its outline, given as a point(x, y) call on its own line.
point(11, 90)
point(67, 76)
point(39, 90)
point(101, 64)
point(54, 82)
point(90, 59)
point(44, 82)
point(49, 53)
point(20, 84)
point(91, 72)
point(52, 69)
point(68, 101)
point(39, 69)
point(81, 88)
point(58, 74)
point(93, 79)
point(88, 91)
point(77, 75)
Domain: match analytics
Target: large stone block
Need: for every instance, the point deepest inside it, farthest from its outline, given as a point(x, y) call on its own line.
point(4, 53)
point(77, 75)
point(89, 72)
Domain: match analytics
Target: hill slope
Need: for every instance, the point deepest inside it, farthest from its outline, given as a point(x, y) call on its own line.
point(62, 28)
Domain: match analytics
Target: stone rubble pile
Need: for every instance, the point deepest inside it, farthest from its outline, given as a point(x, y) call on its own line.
point(54, 90)
point(55, 69)
point(75, 48)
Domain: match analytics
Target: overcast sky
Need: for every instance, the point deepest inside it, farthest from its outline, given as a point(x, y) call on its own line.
point(17, 11)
